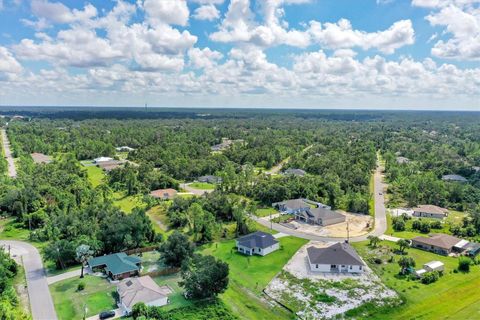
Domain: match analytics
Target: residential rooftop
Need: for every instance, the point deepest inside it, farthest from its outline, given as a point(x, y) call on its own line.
point(338, 253)
point(440, 240)
point(257, 239)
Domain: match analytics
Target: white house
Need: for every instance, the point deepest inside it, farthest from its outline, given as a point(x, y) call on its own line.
point(339, 257)
point(102, 159)
point(430, 211)
point(143, 289)
point(259, 242)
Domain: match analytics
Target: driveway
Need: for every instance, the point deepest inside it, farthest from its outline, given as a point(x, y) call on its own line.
point(40, 299)
point(197, 192)
point(380, 217)
point(12, 171)
point(66, 275)
point(118, 314)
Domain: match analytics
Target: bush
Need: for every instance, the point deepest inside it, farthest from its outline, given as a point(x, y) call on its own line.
point(81, 286)
point(398, 224)
point(464, 264)
point(436, 224)
point(377, 260)
point(430, 277)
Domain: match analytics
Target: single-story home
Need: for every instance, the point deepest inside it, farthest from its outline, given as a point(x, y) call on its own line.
point(472, 249)
point(402, 160)
point(321, 216)
point(164, 194)
point(294, 172)
point(143, 289)
point(124, 149)
point(117, 265)
point(40, 158)
point(339, 257)
point(438, 243)
point(454, 178)
point(209, 179)
point(292, 206)
point(430, 211)
point(429, 267)
point(259, 242)
point(102, 159)
point(110, 165)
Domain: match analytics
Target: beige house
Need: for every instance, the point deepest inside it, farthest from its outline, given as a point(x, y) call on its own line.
point(430, 211)
point(437, 243)
point(135, 290)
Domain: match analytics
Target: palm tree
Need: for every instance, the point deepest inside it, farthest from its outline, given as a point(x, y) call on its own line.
point(83, 253)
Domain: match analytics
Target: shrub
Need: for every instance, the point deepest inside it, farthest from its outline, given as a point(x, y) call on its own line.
point(430, 277)
point(398, 224)
point(436, 224)
point(377, 260)
point(464, 264)
point(81, 286)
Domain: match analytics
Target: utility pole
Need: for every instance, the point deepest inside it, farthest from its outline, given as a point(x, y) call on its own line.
point(348, 232)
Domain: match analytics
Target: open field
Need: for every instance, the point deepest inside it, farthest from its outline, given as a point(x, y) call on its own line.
point(98, 295)
point(453, 296)
point(95, 175)
point(250, 275)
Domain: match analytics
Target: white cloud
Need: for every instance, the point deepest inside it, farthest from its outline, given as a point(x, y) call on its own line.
point(59, 13)
point(166, 12)
point(8, 63)
point(461, 20)
point(341, 35)
point(206, 12)
point(204, 58)
point(202, 2)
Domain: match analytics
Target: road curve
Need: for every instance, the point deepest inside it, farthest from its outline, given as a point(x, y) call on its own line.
point(41, 302)
point(12, 171)
point(197, 192)
point(380, 217)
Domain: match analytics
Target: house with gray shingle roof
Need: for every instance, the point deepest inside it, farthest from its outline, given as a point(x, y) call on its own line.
point(259, 242)
point(292, 206)
point(454, 178)
point(294, 172)
point(322, 216)
point(430, 211)
point(117, 265)
point(339, 257)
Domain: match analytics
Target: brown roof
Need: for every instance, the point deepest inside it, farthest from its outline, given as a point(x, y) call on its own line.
point(430, 209)
point(439, 240)
point(41, 158)
point(143, 289)
point(162, 193)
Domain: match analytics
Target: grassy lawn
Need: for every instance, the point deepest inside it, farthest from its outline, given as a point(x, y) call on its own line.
point(453, 296)
point(202, 185)
point(159, 218)
point(250, 275)
point(127, 203)
point(97, 296)
point(453, 218)
point(95, 175)
point(177, 299)
point(264, 212)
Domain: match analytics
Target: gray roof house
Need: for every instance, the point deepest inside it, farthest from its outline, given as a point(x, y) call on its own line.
point(294, 172)
point(209, 179)
point(454, 178)
point(259, 242)
point(321, 216)
point(339, 257)
point(430, 211)
point(292, 206)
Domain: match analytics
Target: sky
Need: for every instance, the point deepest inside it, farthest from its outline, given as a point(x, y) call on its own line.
point(368, 54)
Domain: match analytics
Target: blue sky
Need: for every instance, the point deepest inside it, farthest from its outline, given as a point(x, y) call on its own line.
point(413, 54)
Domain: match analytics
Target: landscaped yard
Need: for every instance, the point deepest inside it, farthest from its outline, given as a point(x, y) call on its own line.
point(453, 296)
point(454, 218)
point(202, 185)
point(264, 212)
point(249, 275)
point(98, 296)
point(177, 299)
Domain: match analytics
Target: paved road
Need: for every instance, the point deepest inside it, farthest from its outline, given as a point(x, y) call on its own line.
point(12, 171)
point(118, 314)
point(380, 217)
point(197, 192)
point(40, 299)
point(66, 275)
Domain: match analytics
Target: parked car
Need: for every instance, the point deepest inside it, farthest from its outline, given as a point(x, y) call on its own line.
point(107, 314)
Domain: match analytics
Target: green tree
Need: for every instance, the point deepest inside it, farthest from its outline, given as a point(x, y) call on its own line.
point(205, 277)
point(405, 264)
point(176, 250)
point(402, 245)
point(83, 253)
point(374, 241)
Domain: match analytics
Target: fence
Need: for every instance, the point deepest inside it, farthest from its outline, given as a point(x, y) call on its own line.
point(140, 250)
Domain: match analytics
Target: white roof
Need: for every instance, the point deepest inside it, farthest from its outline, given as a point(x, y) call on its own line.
point(420, 271)
point(461, 244)
point(102, 159)
point(433, 264)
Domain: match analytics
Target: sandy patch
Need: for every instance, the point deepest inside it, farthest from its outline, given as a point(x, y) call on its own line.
point(316, 295)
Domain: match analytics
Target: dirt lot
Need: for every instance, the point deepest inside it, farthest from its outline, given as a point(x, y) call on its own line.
point(358, 224)
point(316, 295)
